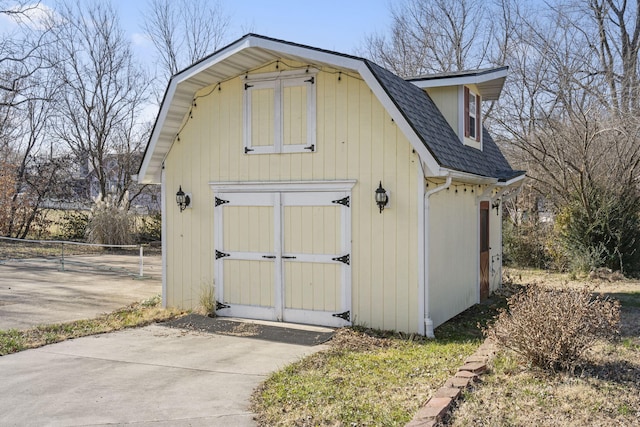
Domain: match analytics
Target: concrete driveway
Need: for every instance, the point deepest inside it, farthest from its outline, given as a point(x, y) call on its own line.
point(152, 376)
point(36, 291)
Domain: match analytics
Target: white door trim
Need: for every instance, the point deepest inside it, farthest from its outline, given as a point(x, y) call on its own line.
point(278, 195)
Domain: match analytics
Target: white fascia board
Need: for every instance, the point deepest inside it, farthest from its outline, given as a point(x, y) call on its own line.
point(333, 59)
point(512, 181)
point(462, 80)
point(468, 177)
point(153, 141)
point(171, 92)
point(197, 68)
point(155, 136)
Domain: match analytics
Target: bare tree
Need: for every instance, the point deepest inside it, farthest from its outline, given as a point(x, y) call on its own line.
point(570, 117)
point(432, 36)
point(184, 31)
point(102, 94)
point(616, 48)
point(22, 51)
point(37, 172)
point(29, 173)
point(568, 108)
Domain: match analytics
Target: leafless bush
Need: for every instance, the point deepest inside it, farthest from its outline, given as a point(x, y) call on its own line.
point(553, 328)
point(110, 222)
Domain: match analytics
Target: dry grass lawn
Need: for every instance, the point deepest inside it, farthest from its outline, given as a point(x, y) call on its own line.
point(134, 315)
point(605, 392)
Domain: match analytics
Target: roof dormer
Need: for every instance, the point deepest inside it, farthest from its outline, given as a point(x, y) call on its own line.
point(459, 97)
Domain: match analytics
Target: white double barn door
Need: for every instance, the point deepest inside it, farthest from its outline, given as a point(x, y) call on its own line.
point(284, 256)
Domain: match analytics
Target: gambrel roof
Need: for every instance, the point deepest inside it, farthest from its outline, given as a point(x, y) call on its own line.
point(411, 108)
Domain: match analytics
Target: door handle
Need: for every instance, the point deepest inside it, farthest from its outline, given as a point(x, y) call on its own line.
point(288, 257)
point(268, 256)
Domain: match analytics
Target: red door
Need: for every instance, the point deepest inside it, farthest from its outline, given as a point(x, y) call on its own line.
point(484, 250)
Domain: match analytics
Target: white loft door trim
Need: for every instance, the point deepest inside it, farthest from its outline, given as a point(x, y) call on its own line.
point(281, 186)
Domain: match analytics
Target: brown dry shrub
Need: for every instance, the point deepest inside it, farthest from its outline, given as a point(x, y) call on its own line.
point(553, 328)
point(352, 340)
point(110, 222)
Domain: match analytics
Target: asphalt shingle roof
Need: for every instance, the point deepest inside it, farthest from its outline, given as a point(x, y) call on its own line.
point(436, 133)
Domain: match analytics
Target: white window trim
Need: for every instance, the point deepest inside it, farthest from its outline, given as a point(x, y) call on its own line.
point(474, 129)
point(278, 81)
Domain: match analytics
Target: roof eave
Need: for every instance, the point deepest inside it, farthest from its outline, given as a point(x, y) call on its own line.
point(511, 181)
point(468, 177)
point(488, 82)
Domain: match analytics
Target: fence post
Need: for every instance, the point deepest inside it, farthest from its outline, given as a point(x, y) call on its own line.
point(62, 255)
point(141, 261)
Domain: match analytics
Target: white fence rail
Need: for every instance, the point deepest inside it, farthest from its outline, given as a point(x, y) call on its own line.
point(62, 243)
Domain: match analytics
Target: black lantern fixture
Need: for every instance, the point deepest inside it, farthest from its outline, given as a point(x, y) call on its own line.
point(182, 199)
point(382, 198)
point(496, 205)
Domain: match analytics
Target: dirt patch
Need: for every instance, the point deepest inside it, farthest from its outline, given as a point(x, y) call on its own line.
point(552, 279)
point(268, 332)
point(349, 339)
point(630, 324)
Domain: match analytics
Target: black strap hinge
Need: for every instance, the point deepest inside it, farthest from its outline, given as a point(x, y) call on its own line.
point(220, 254)
point(345, 316)
point(220, 306)
point(221, 201)
point(247, 86)
point(311, 147)
point(344, 201)
point(247, 149)
point(312, 80)
point(343, 259)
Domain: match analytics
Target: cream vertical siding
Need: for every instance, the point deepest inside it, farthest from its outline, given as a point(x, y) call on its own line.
point(356, 139)
point(453, 251)
point(446, 99)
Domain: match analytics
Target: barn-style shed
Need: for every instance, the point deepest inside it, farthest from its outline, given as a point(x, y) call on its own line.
point(320, 188)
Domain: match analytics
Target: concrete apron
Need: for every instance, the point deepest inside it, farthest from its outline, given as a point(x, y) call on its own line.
point(153, 376)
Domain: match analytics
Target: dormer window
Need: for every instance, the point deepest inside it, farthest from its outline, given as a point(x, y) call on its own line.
point(472, 115)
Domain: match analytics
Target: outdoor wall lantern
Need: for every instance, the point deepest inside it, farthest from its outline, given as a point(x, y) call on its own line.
point(496, 205)
point(183, 200)
point(382, 198)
